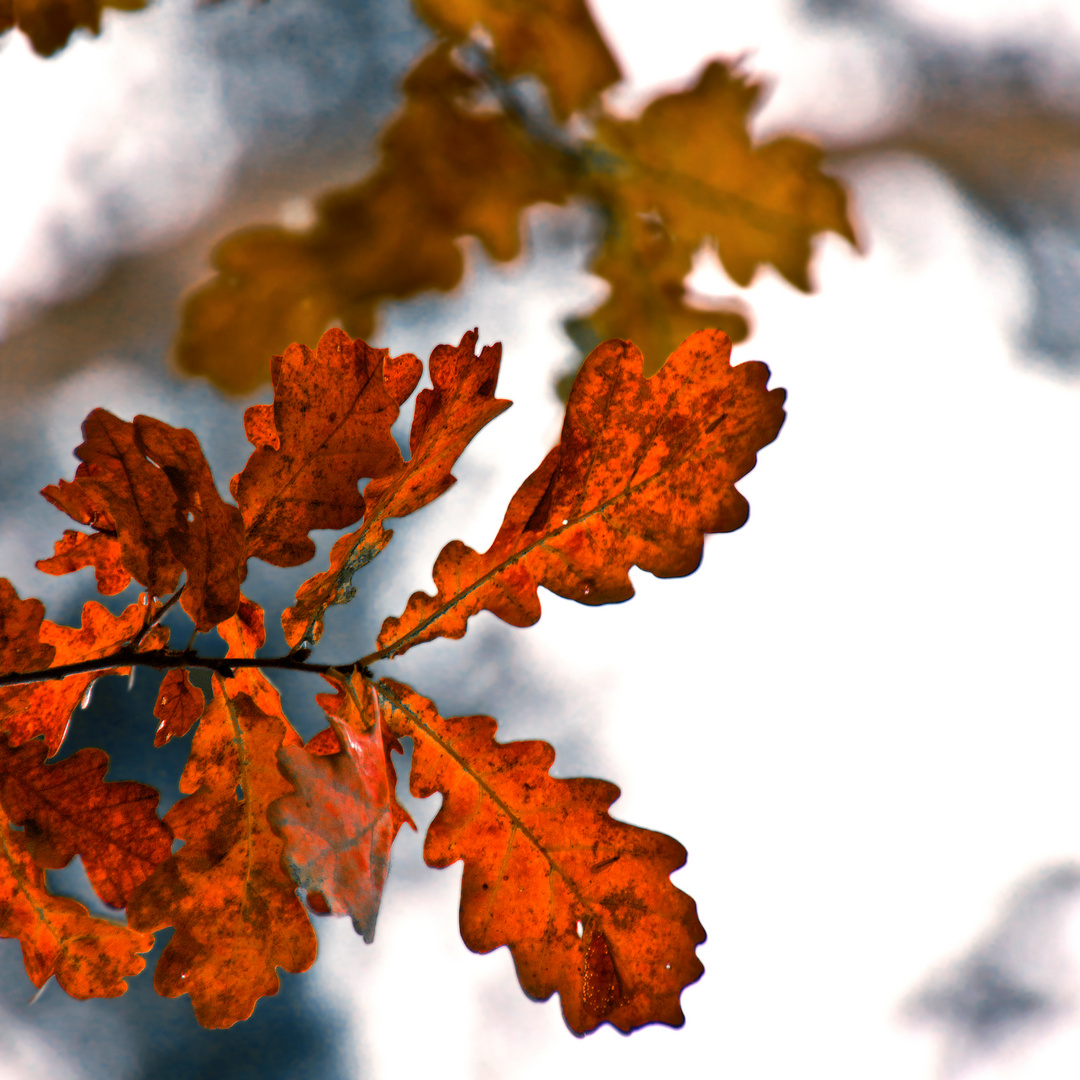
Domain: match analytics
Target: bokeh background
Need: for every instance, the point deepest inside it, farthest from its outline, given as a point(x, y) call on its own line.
point(859, 715)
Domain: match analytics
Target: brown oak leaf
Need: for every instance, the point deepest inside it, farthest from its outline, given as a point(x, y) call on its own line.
point(644, 469)
point(179, 704)
point(68, 809)
point(50, 23)
point(584, 902)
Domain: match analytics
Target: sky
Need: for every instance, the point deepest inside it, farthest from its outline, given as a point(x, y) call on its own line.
point(859, 715)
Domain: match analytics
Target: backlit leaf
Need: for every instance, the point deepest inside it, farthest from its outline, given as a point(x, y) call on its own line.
point(584, 902)
point(332, 416)
point(69, 809)
point(21, 645)
point(459, 403)
point(339, 824)
point(76, 550)
point(90, 957)
point(644, 469)
point(179, 705)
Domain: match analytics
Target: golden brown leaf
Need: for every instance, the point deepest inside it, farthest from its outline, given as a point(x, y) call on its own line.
point(555, 40)
point(447, 416)
point(68, 809)
point(448, 169)
point(50, 23)
point(100, 550)
point(235, 909)
point(584, 902)
point(644, 469)
point(339, 824)
point(332, 416)
point(90, 957)
point(179, 705)
point(206, 534)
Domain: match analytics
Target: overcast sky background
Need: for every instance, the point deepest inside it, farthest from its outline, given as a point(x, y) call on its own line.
point(859, 716)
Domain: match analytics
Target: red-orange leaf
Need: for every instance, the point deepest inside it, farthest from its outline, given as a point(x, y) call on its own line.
point(44, 708)
point(90, 957)
point(179, 705)
point(332, 416)
point(235, 909)
point(645, 468)
point(137, 495)
point(69, 809)
point(100, 550)
point(340, 823)
point(584, 902)
point(207, 534)
point(21, 645)
point(447, 416)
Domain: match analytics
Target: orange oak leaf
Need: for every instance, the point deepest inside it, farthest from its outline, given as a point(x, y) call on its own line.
point(206, 533)
point(68, 809)
point(644, 469)
point(90, 957)
point(49, 23)
point(332, 416)
point(21, 645)
point(137, 495)
point(45, 708)
point(234, 907)
point(76, 550)
point(556, 40)
point(179, 705)
point(340, 823)
point(584, 902)
point(459, 403)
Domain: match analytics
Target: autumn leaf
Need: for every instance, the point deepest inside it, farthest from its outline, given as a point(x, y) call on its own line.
point(329, 428)
point(50, 23)
point(90, 957)
point(644, 469)
point(459, 403)
point(179, 705)
point(555, 40)
point(45, 708)
point(68, 809)
point(449, 168)
point(206, 534)
point(76, 550)
point(584, 902)
point(21, 646)
point(235, 909)
point(341, 821)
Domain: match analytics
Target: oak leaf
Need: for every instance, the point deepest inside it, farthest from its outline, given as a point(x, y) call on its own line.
point(45, 708)
point(449, 168)
point(644, 469)
point(330, 428)
point(68, 809)
point(21, 646)
point(76, 550)
point(50, 23)
point(556, 40)
point(459, 403)
point(179, 704)
point(235, 909)
point(584, 902)
point(341, 821)
point(90, 957)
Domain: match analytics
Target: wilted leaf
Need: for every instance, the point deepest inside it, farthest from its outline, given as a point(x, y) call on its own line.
point(332, 416)
point(44, 708)
point(645, 468)
point(69, 809)
point(339, 824)
point(584, 902)
point(449, 169)
point(90, 957)
point(179, 705)
point(207, 534)
point(99, 550)
point(446, 417)
point(49, 23)
point(556, 40)
point(235, 909)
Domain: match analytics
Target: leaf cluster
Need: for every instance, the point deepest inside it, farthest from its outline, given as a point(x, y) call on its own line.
point(274, 829)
